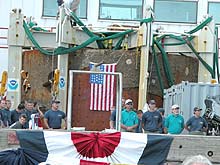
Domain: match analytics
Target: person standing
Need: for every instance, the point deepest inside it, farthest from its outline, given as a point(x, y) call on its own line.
point(162, 112)
point(129, 119)
point(112, 122)
point(196, 125)
point(174, 123)
point(17, 112)
point(53, 117)
point(151, 120)
point(8, 104)
point(5, 114)
point(139, 127)
point(122, 104)
point(29, 110)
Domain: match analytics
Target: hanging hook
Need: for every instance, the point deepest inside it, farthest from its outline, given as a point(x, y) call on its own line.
point(26, 82)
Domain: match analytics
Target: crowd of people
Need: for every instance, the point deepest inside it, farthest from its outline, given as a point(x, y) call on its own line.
point(152, 119)
point(30, 115)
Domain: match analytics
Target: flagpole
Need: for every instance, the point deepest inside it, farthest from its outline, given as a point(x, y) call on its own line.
point(69, 103)
point(118, 103)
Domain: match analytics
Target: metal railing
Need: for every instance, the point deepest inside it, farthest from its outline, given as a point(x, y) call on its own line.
point(3, 37)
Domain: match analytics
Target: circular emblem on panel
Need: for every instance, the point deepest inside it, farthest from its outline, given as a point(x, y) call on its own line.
point(62, 83)
point(12, 84)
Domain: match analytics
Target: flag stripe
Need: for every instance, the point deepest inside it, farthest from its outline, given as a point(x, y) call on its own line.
point(108, 87)
point(91, 97)
point(104, 94)
point(112, 86)
point(100, 97)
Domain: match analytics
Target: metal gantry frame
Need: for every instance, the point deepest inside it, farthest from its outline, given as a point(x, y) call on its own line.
point(118, 95)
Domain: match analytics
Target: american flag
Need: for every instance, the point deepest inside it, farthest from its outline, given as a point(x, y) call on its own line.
point(102, 87)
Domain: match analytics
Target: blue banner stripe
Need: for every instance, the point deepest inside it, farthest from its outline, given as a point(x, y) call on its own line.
point(156, 150)
point(32, 140)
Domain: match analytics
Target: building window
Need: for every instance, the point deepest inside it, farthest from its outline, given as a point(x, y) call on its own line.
point(175, 11)
point(213, 10)
point(50, 8)
point(121, 9)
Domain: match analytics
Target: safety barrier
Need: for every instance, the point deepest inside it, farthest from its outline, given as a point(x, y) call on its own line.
point(3, 37)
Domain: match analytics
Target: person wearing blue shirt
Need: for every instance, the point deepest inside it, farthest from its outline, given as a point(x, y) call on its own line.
point(29, 110)
point(5, 114)
point(129, 119)
point(112, 119)
point(151, 119)
point(196, 125)
point(53, 117)
point(17, 112)
point(112, 122)
point(162, 111)
point(139, 127)
point(174, 123)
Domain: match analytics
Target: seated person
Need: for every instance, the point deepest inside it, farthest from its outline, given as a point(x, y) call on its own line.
point(20, 124)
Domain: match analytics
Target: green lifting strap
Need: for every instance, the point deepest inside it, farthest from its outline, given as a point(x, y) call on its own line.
point(179, 38)
point(63, 50)
point(146, 20)
point(59, 50)
point(166, 64)
point(200, 59)
point(85, 29)
point(158, 70)
point(116, 35)
point(183, 40)
point(200, 26)
point(118, 45)
point(33, 26)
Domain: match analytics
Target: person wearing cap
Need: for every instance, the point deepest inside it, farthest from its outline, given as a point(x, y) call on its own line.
point(162, 111)
point(196, 125)
point(151, 119)
point(53, 117)
point(174, 123)
point(129, 119)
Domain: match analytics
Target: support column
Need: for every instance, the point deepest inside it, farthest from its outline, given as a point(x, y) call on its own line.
point(15, 41)
point(145, 33)
point(14, 78)
point(62, 64)
point(206, 47)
